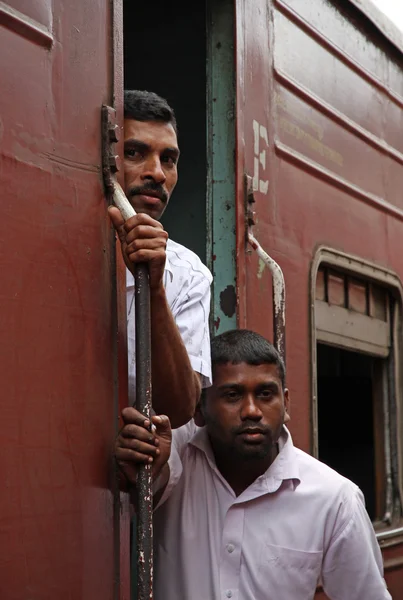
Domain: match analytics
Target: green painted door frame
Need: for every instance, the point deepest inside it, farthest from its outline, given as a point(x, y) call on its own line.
point(221, 197)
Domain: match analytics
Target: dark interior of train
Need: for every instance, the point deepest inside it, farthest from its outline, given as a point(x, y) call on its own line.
point(346, 416)
point(165, 52)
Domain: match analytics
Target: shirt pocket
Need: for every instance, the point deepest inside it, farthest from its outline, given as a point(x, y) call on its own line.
point(289, 574)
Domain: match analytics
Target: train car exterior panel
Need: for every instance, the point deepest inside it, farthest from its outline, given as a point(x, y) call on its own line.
point(58, 314)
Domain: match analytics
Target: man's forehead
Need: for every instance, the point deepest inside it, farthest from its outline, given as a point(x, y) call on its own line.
point(151, 132)
point(238, 372)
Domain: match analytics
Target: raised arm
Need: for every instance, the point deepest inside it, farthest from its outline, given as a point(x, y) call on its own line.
point(176, 385)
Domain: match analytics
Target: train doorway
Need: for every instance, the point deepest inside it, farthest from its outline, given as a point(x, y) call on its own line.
point(185, 53)
point(165, 52)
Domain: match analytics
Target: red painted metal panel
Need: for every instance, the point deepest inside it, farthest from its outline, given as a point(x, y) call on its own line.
point(319, 121)
point(57, 309)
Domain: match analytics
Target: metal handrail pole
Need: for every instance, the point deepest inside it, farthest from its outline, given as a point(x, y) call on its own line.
point(278, 294)
point(144, 495)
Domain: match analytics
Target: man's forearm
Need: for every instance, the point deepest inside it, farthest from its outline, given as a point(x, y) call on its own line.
point(176, 387)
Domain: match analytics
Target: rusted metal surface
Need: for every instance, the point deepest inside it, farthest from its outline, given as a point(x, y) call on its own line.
point(144, 504)
point(325, 170)
point(144, 495)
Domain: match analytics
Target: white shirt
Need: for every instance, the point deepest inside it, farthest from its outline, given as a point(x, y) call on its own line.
point(298, 523)
point(187, 286)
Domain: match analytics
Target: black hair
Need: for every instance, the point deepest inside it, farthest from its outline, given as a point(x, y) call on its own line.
point(141, 105)
point(242, 345)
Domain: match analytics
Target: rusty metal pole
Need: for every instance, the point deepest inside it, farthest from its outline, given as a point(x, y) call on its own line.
point(144, 495)
point(143, 405)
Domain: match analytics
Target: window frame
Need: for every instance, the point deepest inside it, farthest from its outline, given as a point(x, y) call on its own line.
point(389, 531)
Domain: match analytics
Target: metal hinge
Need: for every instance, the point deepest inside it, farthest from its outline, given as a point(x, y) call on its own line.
point(110, 136)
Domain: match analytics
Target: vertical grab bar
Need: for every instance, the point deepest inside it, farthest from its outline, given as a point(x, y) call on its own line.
point(144, 495)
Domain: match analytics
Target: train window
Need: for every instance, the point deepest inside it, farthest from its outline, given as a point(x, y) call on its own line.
point(351, 312)
point(350, 420)
point(358, 381)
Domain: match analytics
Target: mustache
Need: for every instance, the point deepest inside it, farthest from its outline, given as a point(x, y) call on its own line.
point(155, 188)
point(251, 426)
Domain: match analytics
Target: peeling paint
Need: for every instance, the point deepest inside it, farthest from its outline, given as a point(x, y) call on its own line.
point(278, 294)
point(228, 301)
point(261, 268)
point(221, 175)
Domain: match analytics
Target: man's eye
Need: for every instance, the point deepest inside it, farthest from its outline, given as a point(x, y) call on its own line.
point(169, 160)
point(266, 393)
point(131, 153)
point(232, 395)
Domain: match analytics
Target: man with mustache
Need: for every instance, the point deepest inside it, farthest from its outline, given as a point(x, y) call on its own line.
point(179, 282)
point(240, 512)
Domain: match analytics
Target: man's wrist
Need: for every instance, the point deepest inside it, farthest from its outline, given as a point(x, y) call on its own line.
point(158, 290)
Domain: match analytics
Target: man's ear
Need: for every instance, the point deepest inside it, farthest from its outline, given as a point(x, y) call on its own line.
point(287, 405)
point(198, 416)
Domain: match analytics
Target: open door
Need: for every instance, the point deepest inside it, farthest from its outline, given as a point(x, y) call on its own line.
point(59, 507)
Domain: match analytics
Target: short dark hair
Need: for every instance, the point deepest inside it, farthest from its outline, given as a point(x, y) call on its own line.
point(141, 105)
point(243, 345)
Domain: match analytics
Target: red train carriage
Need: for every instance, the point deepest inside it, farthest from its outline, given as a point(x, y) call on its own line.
point(290, 113)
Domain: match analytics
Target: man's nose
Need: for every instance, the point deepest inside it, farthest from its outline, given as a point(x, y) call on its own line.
point(250, 409)
point(153, 170)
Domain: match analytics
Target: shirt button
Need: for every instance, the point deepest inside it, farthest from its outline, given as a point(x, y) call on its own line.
point(230, 548)
point(228, 593)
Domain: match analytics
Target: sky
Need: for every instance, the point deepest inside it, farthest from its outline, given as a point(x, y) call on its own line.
point(392, 9)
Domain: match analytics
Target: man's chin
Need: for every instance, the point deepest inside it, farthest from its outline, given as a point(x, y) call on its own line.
point(253, 451)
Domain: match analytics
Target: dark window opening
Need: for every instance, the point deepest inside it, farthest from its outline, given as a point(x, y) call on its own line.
point(350, 420)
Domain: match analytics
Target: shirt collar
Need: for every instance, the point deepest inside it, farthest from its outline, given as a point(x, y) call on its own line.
point(284, 467)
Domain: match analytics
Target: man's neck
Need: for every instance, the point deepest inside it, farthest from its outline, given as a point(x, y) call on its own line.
point(240, 474)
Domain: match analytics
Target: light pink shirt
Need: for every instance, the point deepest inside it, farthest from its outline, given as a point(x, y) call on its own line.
point(296, 524)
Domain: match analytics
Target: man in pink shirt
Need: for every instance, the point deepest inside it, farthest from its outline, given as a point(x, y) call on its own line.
point(240, 512)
